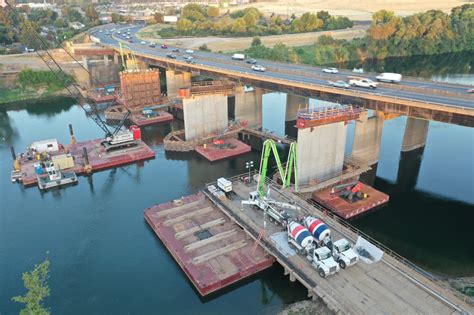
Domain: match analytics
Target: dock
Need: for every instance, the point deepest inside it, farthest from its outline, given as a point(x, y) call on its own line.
point(99, 159)
point(213, 251)
point(390, 285)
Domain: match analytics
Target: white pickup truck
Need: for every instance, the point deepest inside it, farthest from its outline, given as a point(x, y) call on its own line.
point(366, 83)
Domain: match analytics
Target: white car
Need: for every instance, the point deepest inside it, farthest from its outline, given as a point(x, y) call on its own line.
point(358, 70)
point(330, 70)
point(258, 68)
point(189, 51)
point(143, 42)
point(339, 84)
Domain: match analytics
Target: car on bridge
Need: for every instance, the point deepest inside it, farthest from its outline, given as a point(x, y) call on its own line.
point(143, 42)
point(251, 61)
point(189, 51)
point(175, 50)
point(172, 56)
point(470, 91)
point(153, 45)
point(339, 84)
point(259, 68)
point(330, 70)
point(164, 46)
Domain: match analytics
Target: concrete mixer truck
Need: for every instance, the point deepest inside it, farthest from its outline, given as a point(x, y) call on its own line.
point(319, 230)
point(341, 249)
point(303, 242)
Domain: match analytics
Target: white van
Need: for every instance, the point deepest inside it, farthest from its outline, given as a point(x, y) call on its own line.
point(238, 56)
point(389, 77)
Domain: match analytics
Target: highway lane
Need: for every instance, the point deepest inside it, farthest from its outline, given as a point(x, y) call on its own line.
point(223, 62)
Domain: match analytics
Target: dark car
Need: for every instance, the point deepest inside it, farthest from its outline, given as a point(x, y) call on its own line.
point(191, 61)
point(251, 61)
point(130, 40)
point(164, 46)
point(175, 50)
point(172, 56)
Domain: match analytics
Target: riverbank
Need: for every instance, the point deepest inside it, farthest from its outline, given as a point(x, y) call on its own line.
point(306, 307)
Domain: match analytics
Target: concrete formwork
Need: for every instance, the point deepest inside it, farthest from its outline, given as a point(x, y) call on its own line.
point(368, 137)
point(293, 103)
point(176, 80)
point(248, 105)
point(320, 151)
point(204, 114)
point(416, 132)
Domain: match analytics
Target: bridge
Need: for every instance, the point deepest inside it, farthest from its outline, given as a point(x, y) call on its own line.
point(415, 98)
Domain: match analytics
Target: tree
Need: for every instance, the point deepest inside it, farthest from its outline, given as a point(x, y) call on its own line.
point(74, 16)
point(256, 41)
point(184, 25)
point(38, 289)
point(159, 18)
point(213, 12)
point(239, 27)
point(25, 34)
point(204, 47)
point(91, 13)
point(115, 17)
point(193, 12)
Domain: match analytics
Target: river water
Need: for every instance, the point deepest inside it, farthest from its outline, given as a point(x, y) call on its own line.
point(105, 258)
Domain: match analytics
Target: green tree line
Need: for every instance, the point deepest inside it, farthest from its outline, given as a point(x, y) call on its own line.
point(429, 33)
point(197, 20)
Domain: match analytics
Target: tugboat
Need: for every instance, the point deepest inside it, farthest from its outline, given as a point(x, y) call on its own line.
point(48, 176)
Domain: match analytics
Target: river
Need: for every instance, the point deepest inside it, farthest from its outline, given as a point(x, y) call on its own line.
point(105, 258)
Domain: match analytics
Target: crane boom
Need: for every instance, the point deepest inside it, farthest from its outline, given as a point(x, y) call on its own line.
point(46, 56)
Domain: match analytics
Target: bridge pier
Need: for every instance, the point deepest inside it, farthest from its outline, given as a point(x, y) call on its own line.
point(368, 137)
point(320, 151)
point(176, 80)
point(248, 105)
point(106, 60)
point(416, 131)
point(204, 114)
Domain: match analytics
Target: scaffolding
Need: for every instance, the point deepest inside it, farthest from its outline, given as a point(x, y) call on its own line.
point(311, 117)
point(140, 88)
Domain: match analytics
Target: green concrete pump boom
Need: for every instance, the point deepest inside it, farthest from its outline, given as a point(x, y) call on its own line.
point(291, 165)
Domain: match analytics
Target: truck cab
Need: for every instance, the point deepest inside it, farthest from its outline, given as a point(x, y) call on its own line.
point(323, 261)
point(344, 254)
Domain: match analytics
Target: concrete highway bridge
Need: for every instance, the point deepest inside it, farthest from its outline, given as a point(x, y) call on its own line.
point(424, 99)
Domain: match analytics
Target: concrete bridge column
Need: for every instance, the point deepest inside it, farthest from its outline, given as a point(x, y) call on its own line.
point(204, 114)
point(368, 137)
point(320, 151)
point(176, 80)
point(106, 60)
point(416, 132)
point(85, 62)
point(116, 59)
point(248, 105)
point(293, 103)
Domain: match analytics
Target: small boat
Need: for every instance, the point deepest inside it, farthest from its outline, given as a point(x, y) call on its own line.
point(48, 176)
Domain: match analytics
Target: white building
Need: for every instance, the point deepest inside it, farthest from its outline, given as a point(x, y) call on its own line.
point(76, 25)
point(170, 18)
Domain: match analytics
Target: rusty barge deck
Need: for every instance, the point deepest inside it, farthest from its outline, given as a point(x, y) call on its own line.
point(213, 251)
point(99, 159)
point(349, 210)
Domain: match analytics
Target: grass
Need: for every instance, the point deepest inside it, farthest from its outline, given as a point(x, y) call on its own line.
point(19, 94)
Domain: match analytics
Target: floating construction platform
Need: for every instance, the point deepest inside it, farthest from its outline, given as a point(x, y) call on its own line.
point(382, 284)
point(99, 159)
point(222, 150)
point(140, 119)
point(347, 209)
point(212, 251)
